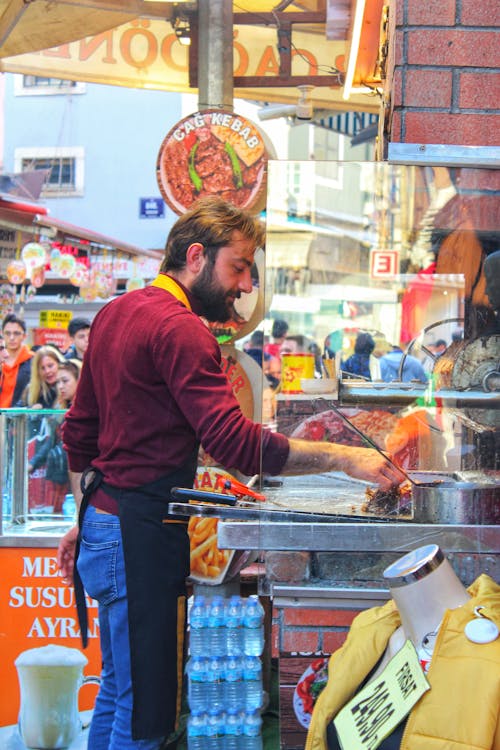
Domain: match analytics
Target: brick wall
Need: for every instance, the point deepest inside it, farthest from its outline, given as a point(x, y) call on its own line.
point(308, 630)
point(443, 79)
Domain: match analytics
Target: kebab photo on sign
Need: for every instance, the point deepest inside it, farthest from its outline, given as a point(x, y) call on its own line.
point(213, 153)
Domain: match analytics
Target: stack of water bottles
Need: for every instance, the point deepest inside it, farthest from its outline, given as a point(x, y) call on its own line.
point(226, 639)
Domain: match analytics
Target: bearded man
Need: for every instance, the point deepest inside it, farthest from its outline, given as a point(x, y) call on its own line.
point(151, 390)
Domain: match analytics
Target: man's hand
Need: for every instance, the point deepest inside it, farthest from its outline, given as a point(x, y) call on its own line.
point(368, 464)
point(66, 555)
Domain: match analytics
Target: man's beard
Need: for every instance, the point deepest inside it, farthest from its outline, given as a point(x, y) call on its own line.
point(212, 296)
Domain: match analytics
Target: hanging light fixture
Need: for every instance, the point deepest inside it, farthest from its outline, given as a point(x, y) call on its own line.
point(180, 25)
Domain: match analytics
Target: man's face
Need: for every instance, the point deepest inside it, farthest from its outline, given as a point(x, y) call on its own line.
point(14, 337)
point(81, 341)
point(222, 282)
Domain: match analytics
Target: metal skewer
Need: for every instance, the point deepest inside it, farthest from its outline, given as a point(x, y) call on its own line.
point(374, 445)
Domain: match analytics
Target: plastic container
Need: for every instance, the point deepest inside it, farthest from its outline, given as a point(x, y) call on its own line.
point(216, 631)
point(196, 669)
point(253, 627)
point(234, 626)
point(198, 624)
point(252, 725)
point(252, 683)
point(233, 730)
point(215, 682)
point(233, 684)
point(197, 730)
point(214, 739)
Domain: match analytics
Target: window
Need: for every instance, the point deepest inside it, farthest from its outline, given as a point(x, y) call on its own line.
point(65, 169)
point(28, 85)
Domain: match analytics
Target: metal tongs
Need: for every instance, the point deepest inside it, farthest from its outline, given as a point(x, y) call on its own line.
point(238, 491)
point(373, 444)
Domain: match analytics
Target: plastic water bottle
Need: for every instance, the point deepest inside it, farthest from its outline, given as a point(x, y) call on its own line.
point(233, 730)
point(69, 507)
point(198, 638)
point(215, 682)
point(252, 738)
point(215, 729)
point(233, 685)
point(234, 626)
point(216, 627)
point(197, 683)
point(253, 627)
point(252, 683)
point(197, 730)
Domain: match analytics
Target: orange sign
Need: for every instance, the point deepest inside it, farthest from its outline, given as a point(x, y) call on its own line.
point(38, 610)
point(213, 153)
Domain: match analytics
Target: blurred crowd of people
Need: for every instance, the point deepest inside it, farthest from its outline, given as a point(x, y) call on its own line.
point(42, 377)
point(368, 359)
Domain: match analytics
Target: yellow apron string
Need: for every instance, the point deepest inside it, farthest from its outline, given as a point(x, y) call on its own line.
point(170, 285)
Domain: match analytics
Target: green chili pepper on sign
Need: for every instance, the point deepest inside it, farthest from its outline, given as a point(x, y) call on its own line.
point(238, 179)
point(193, 174)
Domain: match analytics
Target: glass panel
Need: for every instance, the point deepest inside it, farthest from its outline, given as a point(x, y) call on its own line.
point(379, 271)
point(36, 495)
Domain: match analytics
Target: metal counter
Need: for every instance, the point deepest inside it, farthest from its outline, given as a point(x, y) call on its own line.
point(357, 537)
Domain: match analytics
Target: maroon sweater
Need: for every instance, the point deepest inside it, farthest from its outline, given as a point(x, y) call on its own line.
point(151, 387)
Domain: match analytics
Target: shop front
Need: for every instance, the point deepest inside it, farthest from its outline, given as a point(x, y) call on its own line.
point(326, 539)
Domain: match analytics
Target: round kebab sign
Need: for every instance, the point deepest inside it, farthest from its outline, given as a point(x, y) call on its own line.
point(213, 153)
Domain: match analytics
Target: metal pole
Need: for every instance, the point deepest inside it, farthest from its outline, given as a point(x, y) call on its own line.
point(215, 54)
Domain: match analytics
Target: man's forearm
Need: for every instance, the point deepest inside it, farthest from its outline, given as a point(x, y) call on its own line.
point(308, 457)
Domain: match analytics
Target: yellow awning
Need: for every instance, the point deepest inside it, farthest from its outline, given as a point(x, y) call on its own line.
point(132, 43)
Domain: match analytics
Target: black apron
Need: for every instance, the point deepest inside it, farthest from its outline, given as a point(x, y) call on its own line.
point(156, 552)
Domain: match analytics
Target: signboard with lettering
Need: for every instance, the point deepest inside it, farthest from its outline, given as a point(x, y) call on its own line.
point(38, 610)
point(213, 153)
point(151, 208)
point(384, 264)
point(147, 54)
point(55, 318)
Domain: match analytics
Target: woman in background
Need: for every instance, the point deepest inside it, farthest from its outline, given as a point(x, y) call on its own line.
point(67, 381)
point(41, 393)
point(57, 477)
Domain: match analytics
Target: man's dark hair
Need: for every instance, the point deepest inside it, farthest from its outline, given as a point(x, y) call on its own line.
point(211, 222)
point(77, 324)
point(257, 339)
point(279, 329)
point(440, 342)
point(364, 344)
point(13, 318)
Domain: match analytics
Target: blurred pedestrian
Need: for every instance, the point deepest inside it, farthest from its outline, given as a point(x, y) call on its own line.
point(57, 472)
point(390, 365)
point(78, 330)
point(279, 331)
point(358, 364)
point(16, 369)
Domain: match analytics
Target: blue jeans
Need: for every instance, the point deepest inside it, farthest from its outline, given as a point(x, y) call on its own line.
point(102, 570)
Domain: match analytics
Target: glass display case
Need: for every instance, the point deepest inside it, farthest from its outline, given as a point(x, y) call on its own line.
point(403, 261)
point(35, 491)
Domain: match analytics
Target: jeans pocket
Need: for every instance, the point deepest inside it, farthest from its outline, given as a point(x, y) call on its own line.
point(97, 565)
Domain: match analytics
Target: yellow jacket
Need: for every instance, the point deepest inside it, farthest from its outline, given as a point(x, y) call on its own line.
point(462, 709)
